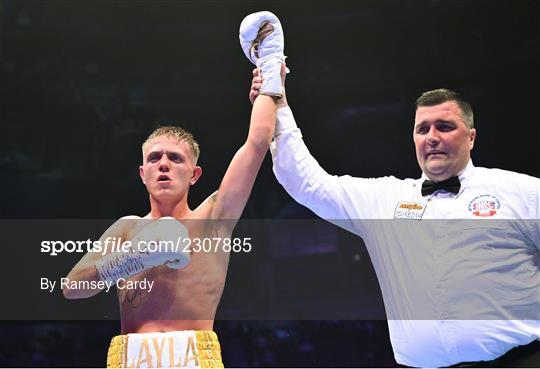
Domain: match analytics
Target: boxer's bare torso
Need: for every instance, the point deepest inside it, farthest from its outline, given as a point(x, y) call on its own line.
point(181, 299)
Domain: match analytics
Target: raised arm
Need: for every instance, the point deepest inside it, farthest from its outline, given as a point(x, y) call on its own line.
point(301, 175)
point(261, 38)
point(238, 181)
point(298, 171)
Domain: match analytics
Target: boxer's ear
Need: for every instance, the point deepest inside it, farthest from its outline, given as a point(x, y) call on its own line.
point(197, 173)
point(141, 174)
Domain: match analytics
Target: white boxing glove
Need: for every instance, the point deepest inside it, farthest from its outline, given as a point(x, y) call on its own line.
point(265, 52)
point(158, 243)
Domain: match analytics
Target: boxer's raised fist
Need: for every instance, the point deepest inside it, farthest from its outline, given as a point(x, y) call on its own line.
point(261, 38)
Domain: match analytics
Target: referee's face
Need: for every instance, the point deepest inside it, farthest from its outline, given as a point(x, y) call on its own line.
point(443, 140)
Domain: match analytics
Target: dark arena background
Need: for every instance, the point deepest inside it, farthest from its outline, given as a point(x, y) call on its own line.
point(82, 84)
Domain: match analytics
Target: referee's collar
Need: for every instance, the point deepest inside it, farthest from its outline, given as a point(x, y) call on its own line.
point(463, 176)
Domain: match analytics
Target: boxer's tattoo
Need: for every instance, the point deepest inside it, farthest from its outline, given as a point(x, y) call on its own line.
point(216, 210)
point(135, 297)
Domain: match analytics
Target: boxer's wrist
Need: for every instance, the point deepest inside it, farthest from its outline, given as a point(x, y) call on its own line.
point(270, 67)
point(112, 267)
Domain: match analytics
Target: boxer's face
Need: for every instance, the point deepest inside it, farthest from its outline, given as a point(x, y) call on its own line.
point(168, 168)
point(443, 140)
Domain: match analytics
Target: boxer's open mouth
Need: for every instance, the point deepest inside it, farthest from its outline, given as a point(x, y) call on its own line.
point(163, 178)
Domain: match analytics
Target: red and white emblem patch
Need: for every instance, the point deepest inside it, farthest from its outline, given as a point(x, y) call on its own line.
point(484, 206)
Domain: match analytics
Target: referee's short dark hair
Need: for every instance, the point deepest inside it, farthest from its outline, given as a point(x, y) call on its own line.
point(441, 95)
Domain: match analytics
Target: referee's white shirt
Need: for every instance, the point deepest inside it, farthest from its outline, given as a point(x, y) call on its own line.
point(460, 281)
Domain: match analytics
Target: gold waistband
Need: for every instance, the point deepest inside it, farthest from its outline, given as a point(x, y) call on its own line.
point(208, 350)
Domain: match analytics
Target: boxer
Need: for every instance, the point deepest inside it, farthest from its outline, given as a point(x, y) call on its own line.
point(172, 325)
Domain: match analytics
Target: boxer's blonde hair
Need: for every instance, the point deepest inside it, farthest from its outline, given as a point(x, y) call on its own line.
point(175, 132)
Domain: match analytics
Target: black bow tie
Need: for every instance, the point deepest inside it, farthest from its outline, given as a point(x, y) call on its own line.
point(450, 185)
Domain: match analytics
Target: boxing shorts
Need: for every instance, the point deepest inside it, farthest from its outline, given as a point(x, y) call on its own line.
point(180, 349)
